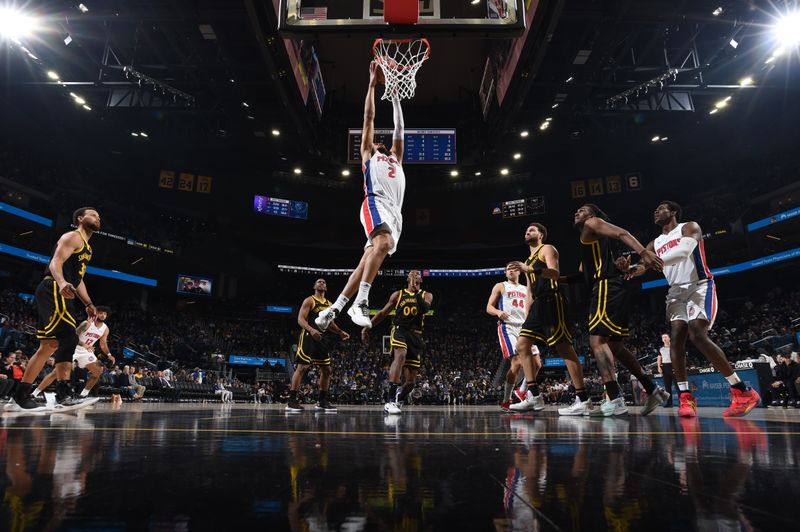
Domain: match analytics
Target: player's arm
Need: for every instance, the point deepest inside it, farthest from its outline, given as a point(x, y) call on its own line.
point(691, 236)
point(66, 246)
point(302, 318)
point(636, 270)
point(335, 328)
point(82, 327)
point(368, 131)
point(550, 255)
point(573, 277)
point(399, 129)
point(658, 362)
point(603, 228)
point(427, 301)
point(381, 315)
point(83, 295)
point(105, 352)
point(491, 308)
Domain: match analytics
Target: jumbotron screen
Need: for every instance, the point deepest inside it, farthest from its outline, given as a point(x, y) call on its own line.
point(193, 285)
point(420, 146)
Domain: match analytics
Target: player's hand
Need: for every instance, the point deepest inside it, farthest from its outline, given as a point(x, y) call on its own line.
point(345, 336)
point(651, 260)
point(365, 336)
point(373, 73)
point(111, 359)
point(518, 266)
point(635, 271)
point(315, 334)
point(503, 316)
point(623, 264)
point(68, 291)
point(91, 311)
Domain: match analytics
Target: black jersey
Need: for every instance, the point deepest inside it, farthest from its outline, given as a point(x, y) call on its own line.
point(539, 286)
point(319, 306)
point(598, 260)
point(408, 312)
point(74, 267)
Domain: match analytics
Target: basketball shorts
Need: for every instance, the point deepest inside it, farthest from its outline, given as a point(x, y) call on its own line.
point(317, 353)
point(608, 311)
point(410, 341)
point(693, 301)
point(83, 357)
point(546, 323)
point(377, 214)
point(508, 335)
point(56, 314)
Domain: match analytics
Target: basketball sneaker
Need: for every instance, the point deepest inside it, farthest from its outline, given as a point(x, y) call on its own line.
point(359, 313)
point(392, 408)
point(325, 318)
point(505, 406)
point(610, 408)
point(294, 407)
point(531, 402)
point(518, 395)
point(24, 404)
point(326, 406)
point(577, 408)
point(654, 399)
point(742, 402)
point(687, 406)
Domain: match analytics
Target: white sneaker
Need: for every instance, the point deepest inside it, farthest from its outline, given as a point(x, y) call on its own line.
point(392, 408)
point(538, 403)
point(359, 313)
point(530, 403)
point(325, 318)
point(577, 408)
point(658, 397)
point(610, 408)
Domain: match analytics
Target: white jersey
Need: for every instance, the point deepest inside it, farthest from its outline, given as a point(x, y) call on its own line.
point(513, 302)
point(90, 337)
point(666, 357)
point(384, 179)
point(693, 269)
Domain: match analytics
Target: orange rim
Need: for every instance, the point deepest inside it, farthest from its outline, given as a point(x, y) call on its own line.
point(400, 67)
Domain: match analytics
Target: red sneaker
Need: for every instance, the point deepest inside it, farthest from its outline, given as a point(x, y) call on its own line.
point(742, 402)
point(687, 406)
point(505, 406)
point(519, 395)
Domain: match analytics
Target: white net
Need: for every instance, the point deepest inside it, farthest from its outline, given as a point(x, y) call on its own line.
point(399, 60)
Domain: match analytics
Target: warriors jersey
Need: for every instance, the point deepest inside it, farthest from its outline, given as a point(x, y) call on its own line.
point(319, 306)
point(512, 302)
point(694, 268)
point(75, 266)
point(409, 311)
point(597, 260)
point(541, 286)
point(384, 179)
point(90, 336)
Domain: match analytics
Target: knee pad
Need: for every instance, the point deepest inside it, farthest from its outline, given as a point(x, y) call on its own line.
point(66, 347)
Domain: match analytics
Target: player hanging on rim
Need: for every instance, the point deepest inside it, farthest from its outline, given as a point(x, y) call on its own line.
point(314, 348)
point(384, 189)
point(546, 325)
point(62, 282)
point(410, 306)
point(692, 307)
point(508, 303)
point(608, 313)
point(89, 332)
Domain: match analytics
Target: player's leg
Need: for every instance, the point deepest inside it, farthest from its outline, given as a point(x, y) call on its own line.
point(409, 381)
point(396, 371)
point(614, 403)
point(46, 381)
point(655, 394)
point(528, 392)
point(328, 315)
point(582, 404)
point(95, 370)
point(293, 405)
point(324, 403)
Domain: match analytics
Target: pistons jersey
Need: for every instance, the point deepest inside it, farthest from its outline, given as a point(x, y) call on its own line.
point(384, 179)
point(693, 269)
point(513, 302)
point(90, 336)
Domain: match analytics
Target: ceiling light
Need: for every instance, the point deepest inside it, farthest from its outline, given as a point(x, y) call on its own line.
point(517, 156)
point(722, 103)
point(14, 24)
point(734, 44)
point(524, 133)
point(143, 134)
point(548, 119)
point(504, 171)
point(717, 12)
point(711, 112)
point(134, 134)
point(297, 171)
point(570, 79)
point(79, 100)
point(245, 104)
point(664, 138)
point(453, 173)
point(53, 75)
point(87, 107)
point(655, 139)
point(345, 172)
point(83, 8)
point(232, 80)
point(544, 126)
point(251, 117)
point(746, 82)
point(475, 2)
point(276, 133)
point(478, 173)
point(787, 30)
point(554, 106)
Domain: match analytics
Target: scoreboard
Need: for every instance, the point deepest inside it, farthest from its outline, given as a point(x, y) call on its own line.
point(523, 207)
point(420, 146)
point(280, 207)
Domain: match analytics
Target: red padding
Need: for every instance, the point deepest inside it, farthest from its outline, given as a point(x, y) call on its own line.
point(401, 11)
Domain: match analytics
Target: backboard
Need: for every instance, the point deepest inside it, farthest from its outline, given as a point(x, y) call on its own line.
point(482, 18)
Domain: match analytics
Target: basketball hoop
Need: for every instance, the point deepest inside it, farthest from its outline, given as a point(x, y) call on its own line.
point(399, 60)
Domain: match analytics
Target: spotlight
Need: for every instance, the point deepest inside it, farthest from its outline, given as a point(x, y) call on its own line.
point(517, 156)
point(664, 138)
point(276, 133)
point(134, 134)
point(544, 126)
point(722, 103)
point(655, 139)
point(453, 173)
point(475, 2)
point(504, 171)
point(53, 75)
point(548, 119)
point(478, 174)
point(345, 172)
point(746, 82)
point(245, 104)
point(787, 30)
point(524, 133)
point(79, 100)
point(251, 117)
point(717, 12)
point(734, 44)
point(554, 106)
point(14, 24)
point(711, 112)
point(87, 107)
point(570, 79)
point(297, 171)
point(83, 8)
point(143, 134)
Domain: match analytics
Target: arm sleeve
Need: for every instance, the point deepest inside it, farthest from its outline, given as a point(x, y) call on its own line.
point(399, 126)
point(680, 252)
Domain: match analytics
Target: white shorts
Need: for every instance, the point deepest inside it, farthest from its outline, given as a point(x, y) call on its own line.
point(377, 213)
point(693, 301)
point(83, 357)
point(508, 335)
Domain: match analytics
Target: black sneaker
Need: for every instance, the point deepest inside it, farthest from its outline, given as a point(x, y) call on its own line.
point(24, 404)
point(294, 406)
point(325, 406)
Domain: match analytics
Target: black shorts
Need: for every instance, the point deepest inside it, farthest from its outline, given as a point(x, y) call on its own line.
point(410, 341)
point(546, 322)
point(318, 353)
point(608, 313)
point(56, 314)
